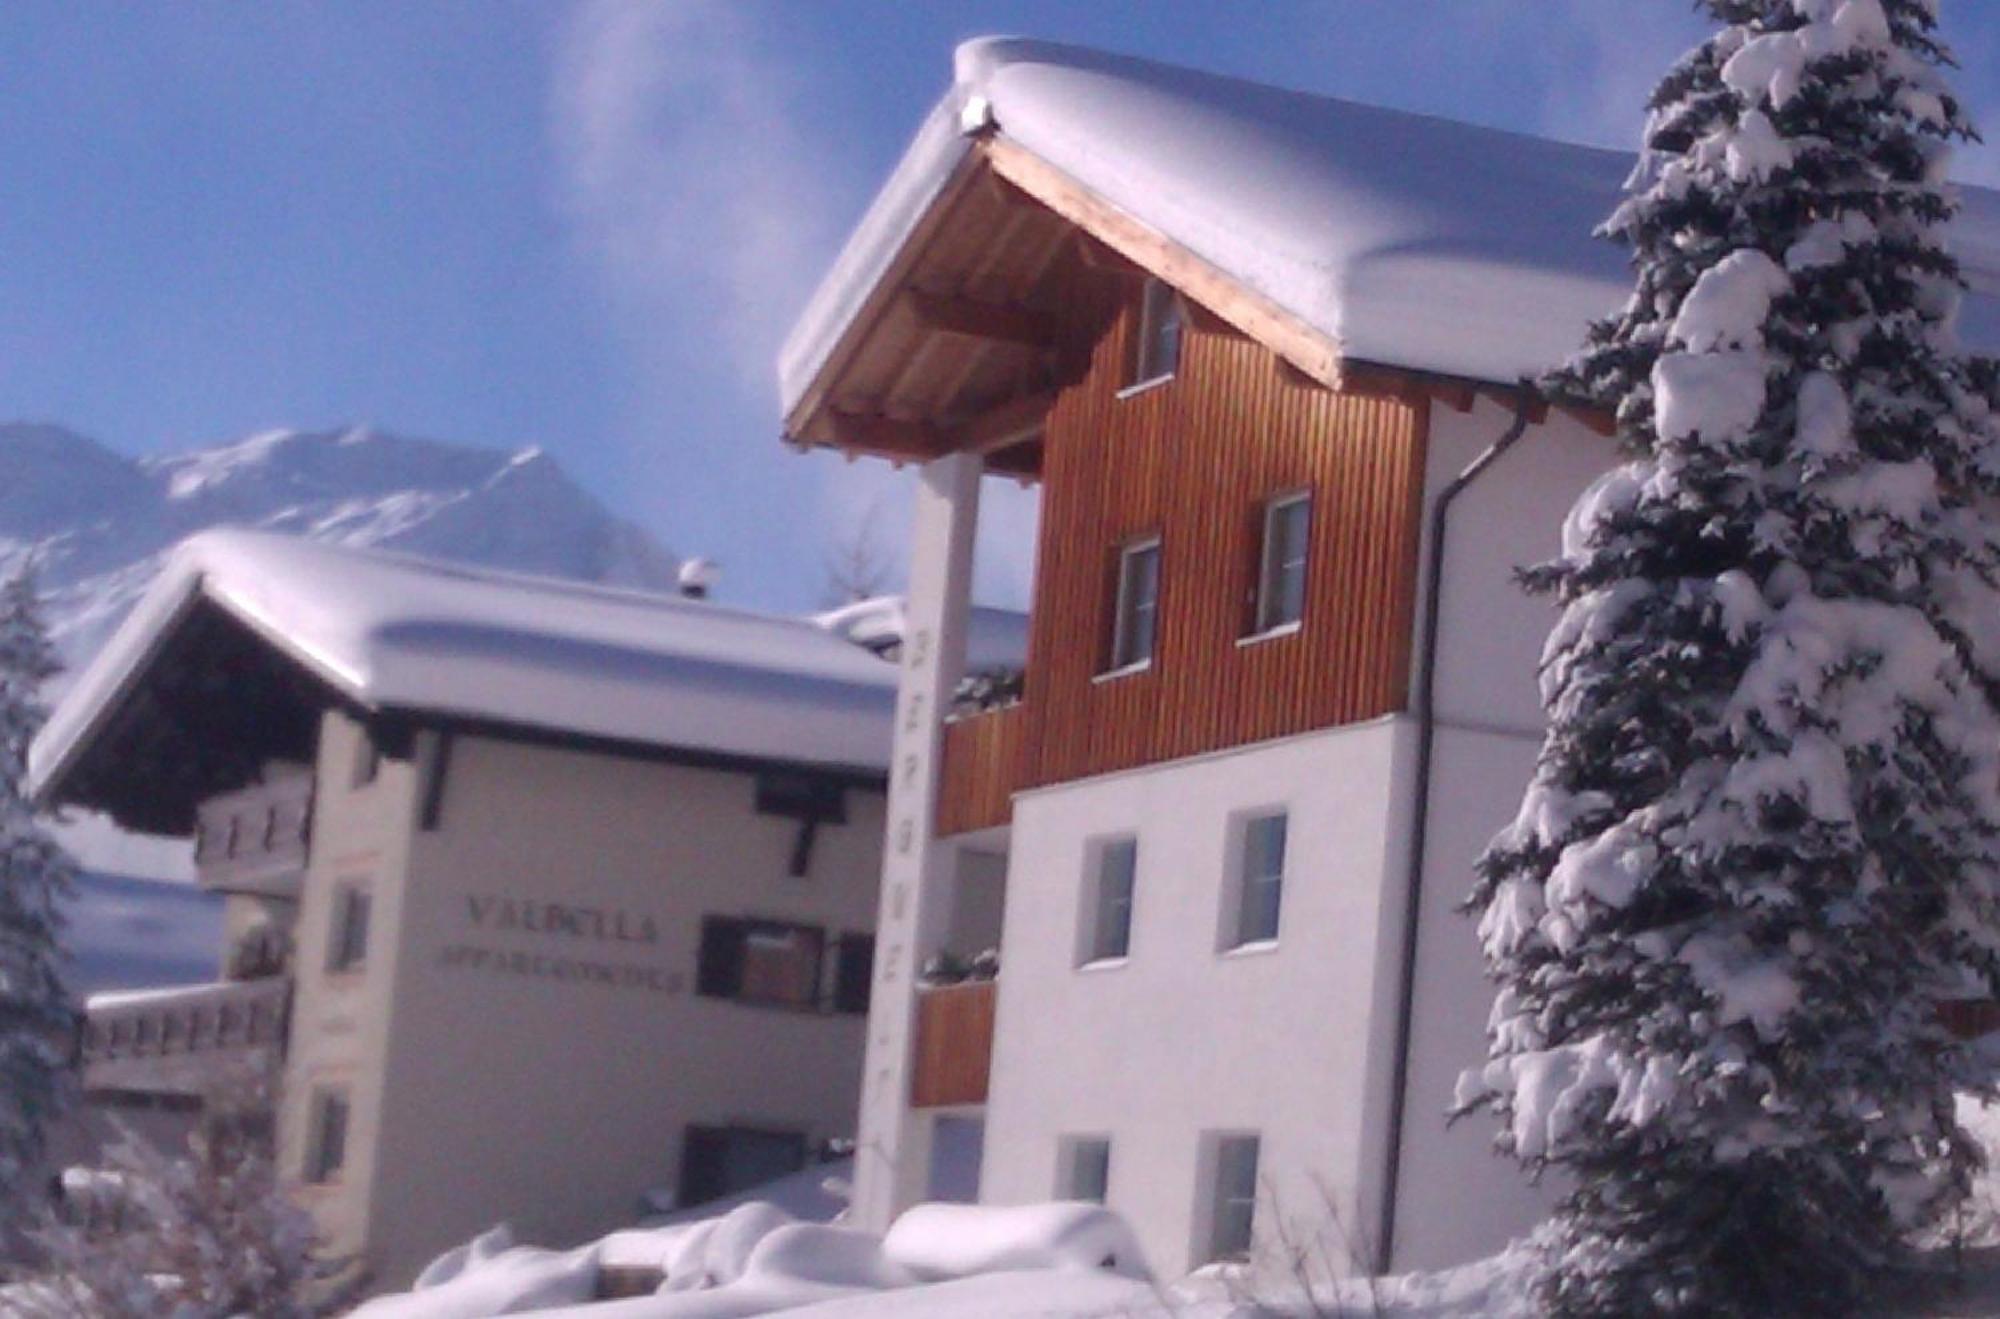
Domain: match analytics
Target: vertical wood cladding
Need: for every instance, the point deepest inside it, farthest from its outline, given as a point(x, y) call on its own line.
point(954, 1048)
point(1194, 460)
point(981, 769)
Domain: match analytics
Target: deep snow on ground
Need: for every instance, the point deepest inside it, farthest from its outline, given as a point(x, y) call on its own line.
point(1062, 1261)
point(749, 1256)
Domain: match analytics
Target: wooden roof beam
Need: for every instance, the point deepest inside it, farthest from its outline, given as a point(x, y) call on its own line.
point(1004, 426)
point(989, 321)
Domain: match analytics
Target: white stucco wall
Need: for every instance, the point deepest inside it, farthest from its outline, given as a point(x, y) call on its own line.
point(1457, 1199)
point(1510, 518)
point(339, 1026)
point(1181, 1039)
point(552, 1102)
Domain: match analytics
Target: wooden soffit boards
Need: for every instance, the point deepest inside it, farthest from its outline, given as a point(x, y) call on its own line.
point(1308, 350)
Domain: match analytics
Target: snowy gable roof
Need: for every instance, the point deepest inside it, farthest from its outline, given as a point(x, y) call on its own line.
point(994, 638)
point(394, 633)
point(1403, 239)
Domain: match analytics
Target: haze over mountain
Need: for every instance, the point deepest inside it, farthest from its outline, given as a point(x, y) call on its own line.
point(99, 522)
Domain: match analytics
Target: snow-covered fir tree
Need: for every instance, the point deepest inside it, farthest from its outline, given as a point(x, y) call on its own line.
point(1760, 844)
point(35, 1016)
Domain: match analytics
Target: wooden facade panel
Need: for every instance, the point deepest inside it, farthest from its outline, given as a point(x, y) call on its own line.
point(954, 1047)
point(981, 769)
point(1194, 460)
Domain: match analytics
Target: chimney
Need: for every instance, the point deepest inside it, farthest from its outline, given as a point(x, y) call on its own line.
point(697, 578)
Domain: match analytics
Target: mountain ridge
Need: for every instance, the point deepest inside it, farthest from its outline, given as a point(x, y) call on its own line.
point(99, 523)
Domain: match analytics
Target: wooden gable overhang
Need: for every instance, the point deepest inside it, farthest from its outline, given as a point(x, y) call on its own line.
point(956, 347)
point(212, 704)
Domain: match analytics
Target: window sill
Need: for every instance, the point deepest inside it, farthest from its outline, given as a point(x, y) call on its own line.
point(1124, 671)
point(1279, 632)
point(1098, 964)
point(1143, 386)
point(1254, 948)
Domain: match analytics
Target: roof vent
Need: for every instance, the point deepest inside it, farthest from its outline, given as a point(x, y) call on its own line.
point(697, 578)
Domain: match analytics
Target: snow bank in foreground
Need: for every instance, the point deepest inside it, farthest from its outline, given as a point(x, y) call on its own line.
point(955, 1241)
point(1049, 1261)
point(469, 1283)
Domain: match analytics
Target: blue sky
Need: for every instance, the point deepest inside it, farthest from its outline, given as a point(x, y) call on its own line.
point(586, 226)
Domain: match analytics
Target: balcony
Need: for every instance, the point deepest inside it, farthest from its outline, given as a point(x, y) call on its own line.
point(180, 1041)
point(954, 1053)
point(981, 769)
point(254, 840)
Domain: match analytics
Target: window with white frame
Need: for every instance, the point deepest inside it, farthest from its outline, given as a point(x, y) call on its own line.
point(1112, 867)
point(326, 1148)
point(347, 949)
point(1281, 570)
point(1156, 351)
point(1260, 879)
point(1083, 1170)
point(1232, 1197)
point(1137, 612)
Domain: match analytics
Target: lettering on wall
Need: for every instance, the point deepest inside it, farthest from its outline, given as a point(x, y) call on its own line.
point(526, 915)
point(572, 970)
point(496, 914)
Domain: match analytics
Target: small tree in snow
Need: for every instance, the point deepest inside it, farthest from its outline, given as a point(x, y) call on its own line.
point(35, 1016)
point(1760, 843)
point(202, 1232)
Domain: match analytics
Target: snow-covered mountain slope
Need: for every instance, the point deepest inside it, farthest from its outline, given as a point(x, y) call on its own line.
point(99, 523)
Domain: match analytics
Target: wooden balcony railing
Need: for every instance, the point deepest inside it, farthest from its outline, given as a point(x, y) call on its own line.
point(254, 840)
point(982, 763)
point(175, 1041)
point(954, 1054)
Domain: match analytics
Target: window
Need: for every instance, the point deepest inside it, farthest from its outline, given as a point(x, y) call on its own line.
point(756, 961)
point(716, 1161)
point(326, 1153)
point(1107, 913)
point(348, 948)
point(1281, 573)
point(1157, 349)
point(1138, 604)
point(1084, 1168)
point(1260, 879)
point(1233, 1200)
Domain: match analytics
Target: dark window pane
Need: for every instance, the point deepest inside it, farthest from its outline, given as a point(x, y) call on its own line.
point(1263, 876)
point(717, 1161)
point(1089, 1169)
point(1117, 867)
point(1235, 1196)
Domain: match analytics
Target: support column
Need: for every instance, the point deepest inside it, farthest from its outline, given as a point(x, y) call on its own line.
point(892, 1154)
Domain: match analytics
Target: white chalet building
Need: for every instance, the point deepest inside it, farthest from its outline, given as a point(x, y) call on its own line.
point(1263, 352)
point(545, 896)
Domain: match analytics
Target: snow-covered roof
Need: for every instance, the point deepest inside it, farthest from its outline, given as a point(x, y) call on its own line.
point(1405, 239)
point(994, 638)
point(391, 632)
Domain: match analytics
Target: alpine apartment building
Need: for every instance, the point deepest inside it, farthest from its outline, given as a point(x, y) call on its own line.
point(1262, 352)
point(542, 898)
